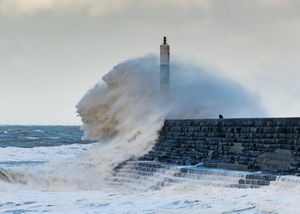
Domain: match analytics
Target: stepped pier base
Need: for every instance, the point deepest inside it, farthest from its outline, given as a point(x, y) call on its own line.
point(244, 153)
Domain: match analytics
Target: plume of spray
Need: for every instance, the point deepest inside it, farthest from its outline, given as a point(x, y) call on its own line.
point(125, 111)
point(129, 95)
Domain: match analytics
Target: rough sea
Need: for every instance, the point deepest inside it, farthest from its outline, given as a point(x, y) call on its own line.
point(36, 145)
point(51, 170)
point(32, 147)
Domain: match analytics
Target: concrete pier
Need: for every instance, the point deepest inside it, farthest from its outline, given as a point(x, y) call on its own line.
point(265, 144)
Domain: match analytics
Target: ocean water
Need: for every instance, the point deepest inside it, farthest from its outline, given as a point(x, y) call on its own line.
point(35, 147)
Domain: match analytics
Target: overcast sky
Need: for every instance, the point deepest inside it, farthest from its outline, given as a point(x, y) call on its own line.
point(53, 51)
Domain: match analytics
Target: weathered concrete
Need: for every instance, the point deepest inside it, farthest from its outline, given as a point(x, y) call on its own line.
point(145, 175)
point(268, 144)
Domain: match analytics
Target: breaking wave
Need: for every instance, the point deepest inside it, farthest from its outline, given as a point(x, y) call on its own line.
point(124, 112)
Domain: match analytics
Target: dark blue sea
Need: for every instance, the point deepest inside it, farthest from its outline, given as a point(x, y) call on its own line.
point(36, 145)
point(40, 136)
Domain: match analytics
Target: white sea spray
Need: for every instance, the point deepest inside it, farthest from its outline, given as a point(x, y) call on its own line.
point(126, 110)
point(124, 113)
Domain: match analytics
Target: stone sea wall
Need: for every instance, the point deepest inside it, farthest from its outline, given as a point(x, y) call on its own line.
point(266, 144)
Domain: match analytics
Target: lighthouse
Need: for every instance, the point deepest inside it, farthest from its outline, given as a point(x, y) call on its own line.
point(164, 67)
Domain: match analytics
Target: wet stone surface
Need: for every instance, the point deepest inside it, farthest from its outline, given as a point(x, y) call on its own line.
point(257, 143)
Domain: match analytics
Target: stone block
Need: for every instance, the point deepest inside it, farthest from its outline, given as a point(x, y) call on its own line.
point(243, 140)
point(278, 161)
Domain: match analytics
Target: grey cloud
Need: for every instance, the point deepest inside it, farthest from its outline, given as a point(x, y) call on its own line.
point(63, 50)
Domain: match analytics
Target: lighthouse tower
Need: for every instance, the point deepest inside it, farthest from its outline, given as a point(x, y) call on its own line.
point(164, 67)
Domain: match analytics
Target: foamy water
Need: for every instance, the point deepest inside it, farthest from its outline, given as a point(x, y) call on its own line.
point(16, 156)
point(174, 199)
